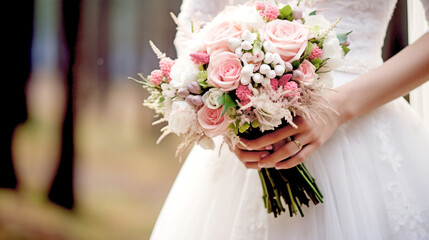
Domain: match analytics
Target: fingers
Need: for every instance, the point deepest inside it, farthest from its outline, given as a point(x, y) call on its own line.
point(276, 136)
point(284, 152)
point(245, 147)
point(298, 158)
point(250, 159)
point(250, 156)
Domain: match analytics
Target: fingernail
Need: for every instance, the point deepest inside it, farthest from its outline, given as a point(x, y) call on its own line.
point(269, 147)
point(263, 155)
point(278, 167)
point(261, 165)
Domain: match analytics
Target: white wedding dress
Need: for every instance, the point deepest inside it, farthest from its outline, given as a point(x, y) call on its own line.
point(373, 172)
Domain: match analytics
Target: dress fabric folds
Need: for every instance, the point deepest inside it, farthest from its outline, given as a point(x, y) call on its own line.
point(373, 172)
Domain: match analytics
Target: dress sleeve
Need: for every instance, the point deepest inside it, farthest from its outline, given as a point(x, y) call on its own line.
point(205, 9)
point(425, 4)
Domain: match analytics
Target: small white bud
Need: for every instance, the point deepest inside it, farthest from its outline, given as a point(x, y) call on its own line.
point(183, 92)
point(254, 36)
point(268, 58)
point(239, 52)
point(264, 69)
point(271, 74)
point(288, 67)
point(277, 59)
point(245, 80)
point(234, 43)
point(247, 70)
point(268, 46)
point(246, 36)
point(279, 69)
point(246, 45)
point(297, 75)
point(257, 78)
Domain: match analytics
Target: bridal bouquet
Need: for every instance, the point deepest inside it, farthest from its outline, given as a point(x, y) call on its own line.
point(253, 68)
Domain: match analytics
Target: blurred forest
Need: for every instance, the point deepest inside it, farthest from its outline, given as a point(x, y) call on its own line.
point(85, 160)
point(120, 176)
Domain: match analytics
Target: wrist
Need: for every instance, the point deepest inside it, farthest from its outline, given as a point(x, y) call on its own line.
point(344, 112)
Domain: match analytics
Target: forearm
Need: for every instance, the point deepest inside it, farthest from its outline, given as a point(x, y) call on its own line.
point(396, 77)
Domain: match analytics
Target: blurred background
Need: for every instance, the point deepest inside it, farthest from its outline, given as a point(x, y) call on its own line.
point(79, 154)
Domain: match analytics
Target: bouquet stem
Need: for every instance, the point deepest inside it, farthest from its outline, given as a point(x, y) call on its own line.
point(294, 186)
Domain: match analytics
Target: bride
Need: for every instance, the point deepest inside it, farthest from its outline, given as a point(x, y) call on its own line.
point(371, 162)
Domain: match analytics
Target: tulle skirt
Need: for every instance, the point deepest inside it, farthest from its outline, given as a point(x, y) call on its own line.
point(373, 173)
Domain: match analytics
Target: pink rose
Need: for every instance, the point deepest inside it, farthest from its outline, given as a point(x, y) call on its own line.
point(218, 35)
point(224, 71)
point(309, 72)
point(290, 38)
point(212, 122)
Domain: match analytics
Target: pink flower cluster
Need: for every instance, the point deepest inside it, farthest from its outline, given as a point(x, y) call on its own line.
point(316, 52)
point(157, 76)
point(286, 84)
point(200, 57)
point(269, 12)
point(243, 92)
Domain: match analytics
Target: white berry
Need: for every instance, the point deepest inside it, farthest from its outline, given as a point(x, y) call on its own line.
point(271, 74)
point(245, 80)
point(239, 52)
point(246, 45)
point(247, 70)
point(234, 43)
point(268, 58)
point(257, 78)
point(264, 69)
point(247, 35)
point(279, 69)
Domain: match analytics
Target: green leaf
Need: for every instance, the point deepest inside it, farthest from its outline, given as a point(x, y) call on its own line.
point(342, 37)
point(312, 13)
point(203, 84)
point(234, 126)
point(227, 102)
point(345, 49)
point(316, 62)
point(255, 124)
point(324, 61)
point(286, 13)
point(309, 48)
point(244, 127)
point(202, 75)
point(295, 64)
point(257, 47)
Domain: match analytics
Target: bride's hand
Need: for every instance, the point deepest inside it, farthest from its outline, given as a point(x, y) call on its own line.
point(306, 138)
point(250, 158)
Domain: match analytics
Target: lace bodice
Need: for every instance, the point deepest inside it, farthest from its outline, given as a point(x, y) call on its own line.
point(368, 19)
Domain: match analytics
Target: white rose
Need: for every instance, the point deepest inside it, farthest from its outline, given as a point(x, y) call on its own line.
point(168, 91)
point(333, 51)
point(246, 14)
point(182, 117)
point(211, 96)
point(316, 24)
point(183, 72)
point(269, 114)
